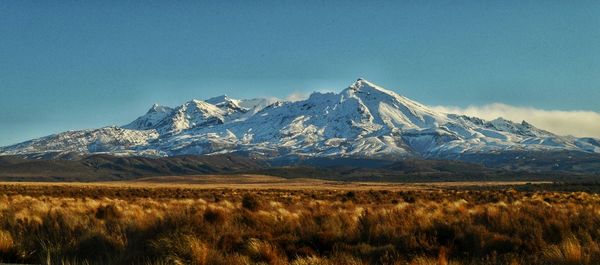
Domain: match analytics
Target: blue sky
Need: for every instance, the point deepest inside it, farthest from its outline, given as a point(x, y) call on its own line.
point(84, 64)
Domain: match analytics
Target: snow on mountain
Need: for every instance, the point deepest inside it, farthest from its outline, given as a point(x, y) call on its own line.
point(256, 104)
point(363, 120)
point(189, 115)
point(103, 140)
point(154, 116)
point(192, 114)
point(237, 109)
point(197, 113)
point(228, 105)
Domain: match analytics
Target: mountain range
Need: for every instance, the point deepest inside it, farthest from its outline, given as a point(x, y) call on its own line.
point(362, 121)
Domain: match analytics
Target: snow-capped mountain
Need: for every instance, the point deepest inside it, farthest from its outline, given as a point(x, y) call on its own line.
point(364, 121)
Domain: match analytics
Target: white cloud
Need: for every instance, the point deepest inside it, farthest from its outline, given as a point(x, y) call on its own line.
point(576, 123)
point(296, 96)
point(302, 95)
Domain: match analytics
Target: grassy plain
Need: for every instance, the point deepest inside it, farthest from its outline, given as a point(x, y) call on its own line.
point(254, 219)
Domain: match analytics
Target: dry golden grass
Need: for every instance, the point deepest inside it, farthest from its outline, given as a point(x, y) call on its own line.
point(6, 242)
point(571, 251)
point(96, 224)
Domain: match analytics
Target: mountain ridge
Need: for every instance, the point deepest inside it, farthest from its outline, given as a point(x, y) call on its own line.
point(362, 121)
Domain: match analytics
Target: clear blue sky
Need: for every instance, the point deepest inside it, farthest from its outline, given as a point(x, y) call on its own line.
point(85, 64)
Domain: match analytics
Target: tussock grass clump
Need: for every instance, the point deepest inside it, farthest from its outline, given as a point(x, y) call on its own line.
point(327, 227)
point(251, 202)
point(571, 251)
point(6, 243)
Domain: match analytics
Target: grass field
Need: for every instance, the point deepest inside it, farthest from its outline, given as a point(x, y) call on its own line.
point(253, 219)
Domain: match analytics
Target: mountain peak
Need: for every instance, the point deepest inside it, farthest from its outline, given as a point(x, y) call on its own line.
point(157, 108)
point(364, 85)
point(227, 104)
point(361, 82)
point(219, 99)
point(199, 104)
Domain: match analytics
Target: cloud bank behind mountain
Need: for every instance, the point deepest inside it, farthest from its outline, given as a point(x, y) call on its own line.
point(577, 122)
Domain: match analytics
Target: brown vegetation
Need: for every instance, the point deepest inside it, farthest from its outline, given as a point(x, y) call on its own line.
point(117, 226)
